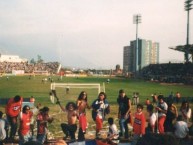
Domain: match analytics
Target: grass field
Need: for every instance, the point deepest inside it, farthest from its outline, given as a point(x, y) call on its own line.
point(22, 85)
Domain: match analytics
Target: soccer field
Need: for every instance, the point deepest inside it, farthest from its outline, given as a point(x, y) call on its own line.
point(22, 85)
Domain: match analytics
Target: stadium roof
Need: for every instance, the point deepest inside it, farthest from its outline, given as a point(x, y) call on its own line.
point(183, 48)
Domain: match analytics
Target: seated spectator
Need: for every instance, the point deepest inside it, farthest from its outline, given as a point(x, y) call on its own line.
point(113, 131)
point(181, 128)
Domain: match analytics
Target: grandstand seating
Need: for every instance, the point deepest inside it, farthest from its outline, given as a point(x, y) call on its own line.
point(7, 67)
point(169, 72)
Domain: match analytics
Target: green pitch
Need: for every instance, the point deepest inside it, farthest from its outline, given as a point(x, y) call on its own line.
point(22, 85)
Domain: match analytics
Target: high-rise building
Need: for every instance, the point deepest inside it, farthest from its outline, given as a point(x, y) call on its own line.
point(148, 53)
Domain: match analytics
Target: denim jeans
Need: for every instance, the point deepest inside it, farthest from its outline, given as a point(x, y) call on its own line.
point(24, 138)
point(123, 127)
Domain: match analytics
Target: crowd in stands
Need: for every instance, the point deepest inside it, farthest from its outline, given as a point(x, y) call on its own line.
point(7, 67)
point(169, 73)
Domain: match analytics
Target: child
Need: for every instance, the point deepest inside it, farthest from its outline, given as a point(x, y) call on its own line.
point(24, 129)
point(139, 124)
point(2, 128)
point(82, 104)
point(113, 131)
point(42, 122)
point(71, 127)
point(100, 109)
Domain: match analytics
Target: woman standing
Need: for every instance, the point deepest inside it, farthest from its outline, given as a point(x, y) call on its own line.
point(185, 111)
point(100, 109)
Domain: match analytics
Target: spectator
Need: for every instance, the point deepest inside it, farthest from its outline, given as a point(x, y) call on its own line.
point(42, 119)
point(181, 128)
point(113, 131)
point(82, 104)
point(171, 117)
point(178, 96)
point(24, 129)
point(152, 118)
point(162, 110)
point(154, 98)
point(185, 111)
point(124, 113)
point(147, 102)
point(12, 110)
point(33, 122)
point(70, 128)
point(139, 124)
point(32, 99)
point(100, 109)
point(2, 128)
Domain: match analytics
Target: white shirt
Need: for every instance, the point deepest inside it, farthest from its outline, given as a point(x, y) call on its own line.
point(187, 113)
point(113, 132)
point(181, 129)
point(152, 119)
point(2, 129)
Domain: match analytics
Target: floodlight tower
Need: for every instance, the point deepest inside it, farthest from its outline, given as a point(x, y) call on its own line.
point(137, 20)
point(187, 6)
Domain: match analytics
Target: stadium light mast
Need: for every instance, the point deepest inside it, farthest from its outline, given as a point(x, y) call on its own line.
point(187, 6)
point(137, 20)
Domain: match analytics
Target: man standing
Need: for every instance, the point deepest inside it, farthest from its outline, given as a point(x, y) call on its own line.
point(12, 110)
point(124, 113)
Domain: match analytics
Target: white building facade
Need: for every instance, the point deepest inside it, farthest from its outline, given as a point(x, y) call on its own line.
point(11, 58)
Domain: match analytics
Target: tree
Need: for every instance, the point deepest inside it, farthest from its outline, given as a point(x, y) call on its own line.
point(32, 61)
point(40, 60)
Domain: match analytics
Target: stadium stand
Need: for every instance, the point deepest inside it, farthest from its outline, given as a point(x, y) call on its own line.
point(169, 73)
point(8, 67)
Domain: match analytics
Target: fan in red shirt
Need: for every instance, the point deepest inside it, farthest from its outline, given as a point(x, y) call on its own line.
point(42, 119)
point(12, 110)
point(24, 129)
point(139, 123)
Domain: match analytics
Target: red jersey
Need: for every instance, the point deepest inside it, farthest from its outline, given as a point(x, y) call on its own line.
point(139, 123)
point(25, 119)
point(13, 108)
point(42, 123)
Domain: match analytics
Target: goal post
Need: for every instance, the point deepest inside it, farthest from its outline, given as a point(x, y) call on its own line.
point(97, 86)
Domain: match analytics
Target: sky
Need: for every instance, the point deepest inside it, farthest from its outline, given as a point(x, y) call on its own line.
point(90, 33)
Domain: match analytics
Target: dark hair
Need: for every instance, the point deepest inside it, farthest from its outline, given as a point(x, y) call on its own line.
point(121, 91)
point(183, 103)
point(26, 107)
point(140, 106)
point(150, 107)
point(32, 143)
point(179, 118)
point(160, 97)
point(71, 103)
point(157, 139)
point(1, 114)
point(102, 93)
point(110, 120)
point(17, 98)
point(44, 109)
point(80, 97)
